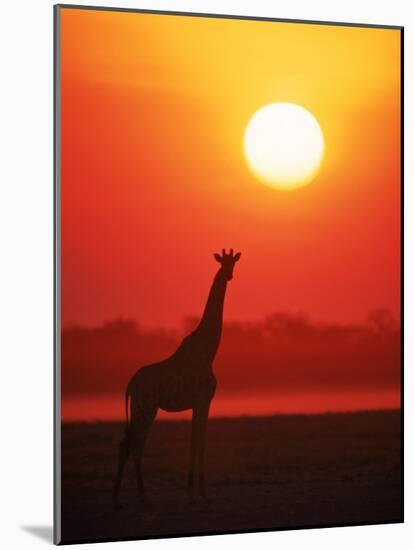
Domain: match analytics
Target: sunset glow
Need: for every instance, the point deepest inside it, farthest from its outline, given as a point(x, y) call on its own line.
point(181, 136)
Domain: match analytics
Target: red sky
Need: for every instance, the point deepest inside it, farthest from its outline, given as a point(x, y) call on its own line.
point(154, 178)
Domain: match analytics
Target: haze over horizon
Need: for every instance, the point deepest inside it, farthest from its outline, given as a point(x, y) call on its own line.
point(282, 364)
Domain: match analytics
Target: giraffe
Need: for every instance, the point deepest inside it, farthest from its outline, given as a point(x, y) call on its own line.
point(183, 381)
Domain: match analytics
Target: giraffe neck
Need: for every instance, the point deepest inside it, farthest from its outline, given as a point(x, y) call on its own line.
point(211, 322)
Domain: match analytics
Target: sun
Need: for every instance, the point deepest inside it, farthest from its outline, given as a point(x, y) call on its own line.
point(284, 145)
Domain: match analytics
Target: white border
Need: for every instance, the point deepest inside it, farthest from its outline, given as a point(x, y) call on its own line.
point(26, 299)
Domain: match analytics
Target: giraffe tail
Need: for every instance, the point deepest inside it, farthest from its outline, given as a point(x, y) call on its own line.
point(127, 417)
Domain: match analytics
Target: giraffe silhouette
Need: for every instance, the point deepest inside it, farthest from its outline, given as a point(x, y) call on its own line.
point(183, 381)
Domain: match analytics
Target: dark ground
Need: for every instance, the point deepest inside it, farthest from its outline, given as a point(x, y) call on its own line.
point(263, 473)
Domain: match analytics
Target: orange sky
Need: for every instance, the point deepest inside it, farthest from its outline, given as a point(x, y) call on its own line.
point(154, 180)
point(154, 177)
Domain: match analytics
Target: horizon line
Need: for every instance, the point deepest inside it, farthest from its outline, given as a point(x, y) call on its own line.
point(245, 416)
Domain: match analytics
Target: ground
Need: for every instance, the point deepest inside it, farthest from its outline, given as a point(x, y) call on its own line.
point(263, 473)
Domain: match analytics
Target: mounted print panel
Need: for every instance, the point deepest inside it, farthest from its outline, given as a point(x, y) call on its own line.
point(228, 274)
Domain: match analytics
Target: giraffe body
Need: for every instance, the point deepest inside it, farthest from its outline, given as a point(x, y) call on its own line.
point(183, 381)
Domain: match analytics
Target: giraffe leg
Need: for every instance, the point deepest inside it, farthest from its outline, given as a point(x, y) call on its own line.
point(140, 426)
point(196, 471)
point(201, 450)
point(122, 459)
point(193, 453)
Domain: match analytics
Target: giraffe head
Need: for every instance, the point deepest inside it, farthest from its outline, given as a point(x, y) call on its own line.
point(227, 262)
